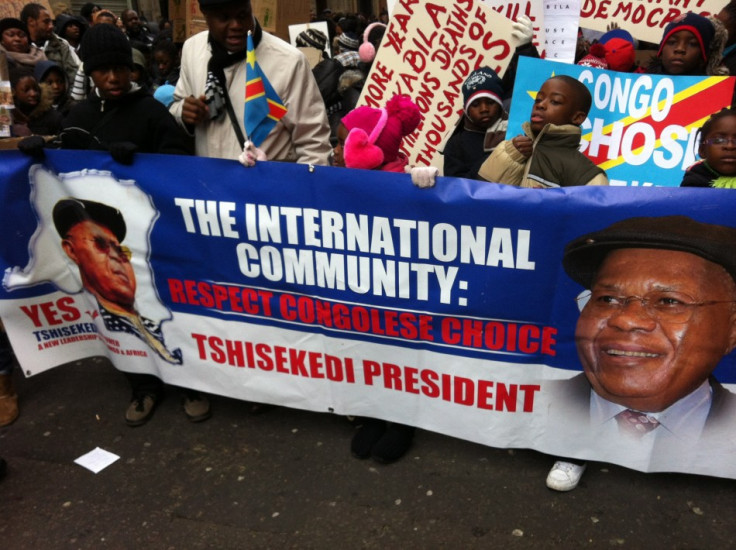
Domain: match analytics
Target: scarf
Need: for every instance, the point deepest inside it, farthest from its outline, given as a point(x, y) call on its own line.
point(215, 89)
point(29, 59)
point(719, 180)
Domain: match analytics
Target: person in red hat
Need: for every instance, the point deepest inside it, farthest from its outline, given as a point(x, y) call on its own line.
point(691, 45)
point(619, 50)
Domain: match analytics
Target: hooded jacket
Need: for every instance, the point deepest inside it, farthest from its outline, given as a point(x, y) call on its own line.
point(42, 120)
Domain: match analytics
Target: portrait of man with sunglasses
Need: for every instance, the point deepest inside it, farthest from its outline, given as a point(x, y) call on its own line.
point(91, 234)
point(658, 315)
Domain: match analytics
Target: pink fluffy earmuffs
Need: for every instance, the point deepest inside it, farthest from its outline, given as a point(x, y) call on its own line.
point(367, 50)
point(375, 135)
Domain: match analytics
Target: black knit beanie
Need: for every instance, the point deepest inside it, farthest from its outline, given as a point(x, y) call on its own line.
point(105, 45)
point(12, 23)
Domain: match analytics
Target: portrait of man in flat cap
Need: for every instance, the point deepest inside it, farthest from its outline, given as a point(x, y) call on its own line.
point(657, 316)
point(92, 233)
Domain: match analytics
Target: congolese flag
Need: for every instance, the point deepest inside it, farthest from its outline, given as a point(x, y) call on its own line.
point(263, 106)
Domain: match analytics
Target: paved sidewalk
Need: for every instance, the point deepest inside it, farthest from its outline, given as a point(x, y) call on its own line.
point(285, 479)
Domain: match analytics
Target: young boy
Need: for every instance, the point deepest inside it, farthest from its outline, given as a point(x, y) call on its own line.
point(482, 127)
point(691, 45)
point(121, 117)
point(547, 155)
point(51, 75)
point(118, 111)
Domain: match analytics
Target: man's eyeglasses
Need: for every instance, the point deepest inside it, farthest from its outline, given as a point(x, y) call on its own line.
point(105, 245)
point(668, 307)
point(720, 141)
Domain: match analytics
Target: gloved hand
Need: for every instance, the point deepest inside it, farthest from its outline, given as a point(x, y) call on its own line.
point(32, 146)
point(423, 176)
point(522, 30)
point(251, 154)
point(122, 151)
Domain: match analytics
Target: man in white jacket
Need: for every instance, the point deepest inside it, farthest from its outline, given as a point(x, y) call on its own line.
point(213, 73)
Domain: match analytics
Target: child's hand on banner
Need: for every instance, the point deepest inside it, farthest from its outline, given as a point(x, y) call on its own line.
point(251, 154)
point(423, 176)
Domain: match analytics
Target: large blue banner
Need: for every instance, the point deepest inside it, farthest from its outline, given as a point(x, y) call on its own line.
point(333, 290)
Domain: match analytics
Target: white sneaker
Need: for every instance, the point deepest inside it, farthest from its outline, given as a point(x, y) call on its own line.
point(565, 476)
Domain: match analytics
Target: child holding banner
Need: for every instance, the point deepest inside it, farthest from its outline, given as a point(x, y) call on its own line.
point(370, 139)
point(718, 153)
point(547, 154)
point(481, 128)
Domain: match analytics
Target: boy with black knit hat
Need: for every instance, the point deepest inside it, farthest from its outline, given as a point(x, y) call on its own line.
point(481, 128)
point(122, 118)
point(118, 116)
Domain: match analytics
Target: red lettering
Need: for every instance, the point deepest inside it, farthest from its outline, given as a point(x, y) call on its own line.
point(265, 362)
point(298, 365)
point(66, 306)
point(371, 369)
point(315, 364)
point(411, 376)
point(176, 290)
point(391, 377)
point(429, 378)
point(529, 390)
point(485, 394)
point(234, 350)
point(279, 353)
point(463, 391)
point(200, 339)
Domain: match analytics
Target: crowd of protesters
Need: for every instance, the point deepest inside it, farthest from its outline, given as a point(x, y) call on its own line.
point(115, 82)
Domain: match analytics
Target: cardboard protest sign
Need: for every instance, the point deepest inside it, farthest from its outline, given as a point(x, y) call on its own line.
point(427, 52)
point(644, 19)
point(641, 128)
point(533, 10)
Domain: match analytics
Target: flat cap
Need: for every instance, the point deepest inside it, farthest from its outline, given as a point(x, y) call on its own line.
point(716, 243)
point(69, 212)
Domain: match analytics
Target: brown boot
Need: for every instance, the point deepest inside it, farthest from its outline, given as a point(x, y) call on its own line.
point(8, 400)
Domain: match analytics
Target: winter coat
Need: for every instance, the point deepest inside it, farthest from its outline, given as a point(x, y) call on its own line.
point(43, 120)
point(302, 135)
point(555, 161)
point(467, 150)
point(136, 117)
point(57, 49)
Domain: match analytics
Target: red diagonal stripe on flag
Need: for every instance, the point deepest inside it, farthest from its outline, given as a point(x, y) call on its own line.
point(254, 89)
point(276, 110)
point(683, 113)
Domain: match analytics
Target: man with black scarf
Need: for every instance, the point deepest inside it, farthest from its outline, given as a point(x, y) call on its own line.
point(213, 74)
